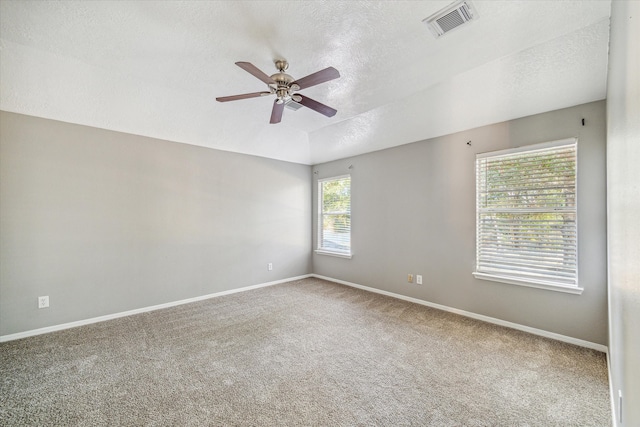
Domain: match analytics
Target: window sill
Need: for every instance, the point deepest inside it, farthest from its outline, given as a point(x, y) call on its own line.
point(335, 254)
point(530, 283)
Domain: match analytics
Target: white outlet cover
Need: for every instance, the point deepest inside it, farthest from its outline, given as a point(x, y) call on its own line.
point(43, 302)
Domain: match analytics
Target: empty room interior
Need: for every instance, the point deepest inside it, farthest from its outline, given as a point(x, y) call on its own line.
point(320, 213)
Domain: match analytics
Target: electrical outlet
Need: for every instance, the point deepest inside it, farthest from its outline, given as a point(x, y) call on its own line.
point(410, 278)
point(620, 406)
point(270, 266)
point(419, 279)
point(43, 302)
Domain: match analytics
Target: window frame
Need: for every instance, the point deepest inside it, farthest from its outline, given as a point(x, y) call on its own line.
point(515, 279)
point(320, 249)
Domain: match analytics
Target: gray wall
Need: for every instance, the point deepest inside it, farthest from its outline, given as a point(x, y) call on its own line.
point(413, 211)
point(105, 222)
point(623, 199)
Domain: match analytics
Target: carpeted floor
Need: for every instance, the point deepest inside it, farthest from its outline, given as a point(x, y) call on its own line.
point(309, 353)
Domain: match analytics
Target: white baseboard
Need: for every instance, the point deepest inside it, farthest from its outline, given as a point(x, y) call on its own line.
point(69, 325)
point(535, 331)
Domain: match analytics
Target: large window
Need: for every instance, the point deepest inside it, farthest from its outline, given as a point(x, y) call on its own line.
point(526, 216)
point(334, 216)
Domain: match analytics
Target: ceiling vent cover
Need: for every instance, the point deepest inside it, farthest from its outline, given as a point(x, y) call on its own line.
point(453, 16)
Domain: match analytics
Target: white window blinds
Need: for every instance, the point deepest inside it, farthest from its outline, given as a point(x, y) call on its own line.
point(526, 228)
point(334, 219)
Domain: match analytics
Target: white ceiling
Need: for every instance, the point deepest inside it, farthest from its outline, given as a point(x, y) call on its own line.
point(154, 68)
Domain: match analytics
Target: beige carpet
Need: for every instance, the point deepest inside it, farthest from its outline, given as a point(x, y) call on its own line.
point(308, 352)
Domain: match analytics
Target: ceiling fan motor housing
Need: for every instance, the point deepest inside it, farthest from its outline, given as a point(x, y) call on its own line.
point(283, 81)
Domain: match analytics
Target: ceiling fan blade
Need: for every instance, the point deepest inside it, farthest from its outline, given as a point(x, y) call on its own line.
point(276, 113)
point(316, 106)
point(252, 69)
point(243, 96)
point(318, 77)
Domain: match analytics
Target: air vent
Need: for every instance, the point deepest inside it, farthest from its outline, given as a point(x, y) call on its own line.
point(453, 16)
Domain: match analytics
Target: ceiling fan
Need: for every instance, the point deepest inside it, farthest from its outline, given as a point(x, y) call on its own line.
point(285, 87)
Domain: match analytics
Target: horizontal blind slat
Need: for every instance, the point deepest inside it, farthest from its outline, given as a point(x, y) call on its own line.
point(529, 262)
point(535, 276)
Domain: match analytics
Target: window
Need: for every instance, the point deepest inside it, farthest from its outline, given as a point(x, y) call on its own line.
point(334, 216)
point(526, 216)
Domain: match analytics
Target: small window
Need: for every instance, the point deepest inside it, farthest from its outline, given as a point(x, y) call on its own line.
point(526, 216)
point(334, 216)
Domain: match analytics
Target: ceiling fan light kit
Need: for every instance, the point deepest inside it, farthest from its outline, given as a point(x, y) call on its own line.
point(285, 87)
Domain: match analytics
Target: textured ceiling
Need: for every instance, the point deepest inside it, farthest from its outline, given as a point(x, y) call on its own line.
point(155, 68)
